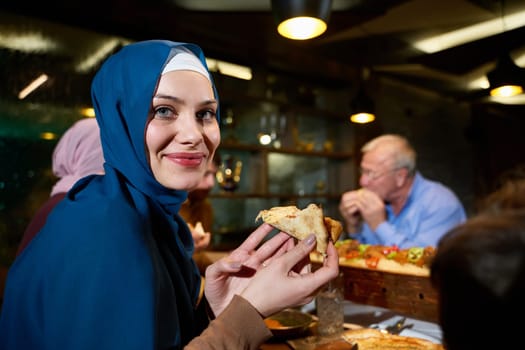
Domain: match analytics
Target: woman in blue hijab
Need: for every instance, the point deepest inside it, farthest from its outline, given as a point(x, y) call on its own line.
point(112, 268)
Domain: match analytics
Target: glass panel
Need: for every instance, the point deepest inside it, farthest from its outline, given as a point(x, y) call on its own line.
point(300, 175)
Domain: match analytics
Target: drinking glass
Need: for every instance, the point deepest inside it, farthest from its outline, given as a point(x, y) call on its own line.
point(330, 309)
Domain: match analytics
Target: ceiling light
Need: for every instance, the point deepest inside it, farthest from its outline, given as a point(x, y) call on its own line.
point(231, 69)
point(101, 53)
point(27, 42)
point(32, 86)
point(362, 106)
point(470, 33)
point(301, 19)
point(506, 79)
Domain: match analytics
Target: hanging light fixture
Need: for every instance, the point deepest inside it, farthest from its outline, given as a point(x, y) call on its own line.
point(362, 106)
point(301, 19)
point(506, 79)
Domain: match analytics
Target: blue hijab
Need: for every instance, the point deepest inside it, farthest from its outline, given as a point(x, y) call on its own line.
point(112, 268)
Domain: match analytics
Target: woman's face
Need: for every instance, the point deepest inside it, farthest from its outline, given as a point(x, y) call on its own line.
point(182, 133)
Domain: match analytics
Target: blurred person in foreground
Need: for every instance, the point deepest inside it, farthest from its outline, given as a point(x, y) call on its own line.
point(112, 267)
point(509, 193)
point(396, 205)
point(77, 154)
point(197, 210)
point(479, 274)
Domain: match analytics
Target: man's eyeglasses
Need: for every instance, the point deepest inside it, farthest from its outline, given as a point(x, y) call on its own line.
point(374, 175)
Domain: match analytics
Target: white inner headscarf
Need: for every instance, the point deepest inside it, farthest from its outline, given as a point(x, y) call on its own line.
point(186, 60)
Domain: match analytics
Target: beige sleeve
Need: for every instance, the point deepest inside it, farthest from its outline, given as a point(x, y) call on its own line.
point(240, 326)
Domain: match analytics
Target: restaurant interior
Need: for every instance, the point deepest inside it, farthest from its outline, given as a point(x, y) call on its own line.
point(421, 66)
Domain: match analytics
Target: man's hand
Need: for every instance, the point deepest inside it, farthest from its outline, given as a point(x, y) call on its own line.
point(348, 207)
point(372, 208)
point(360, 205)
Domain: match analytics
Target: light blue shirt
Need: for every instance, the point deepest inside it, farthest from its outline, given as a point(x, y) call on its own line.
point(431, 210)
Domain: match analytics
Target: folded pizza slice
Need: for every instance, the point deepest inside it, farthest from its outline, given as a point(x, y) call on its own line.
point(301, 223)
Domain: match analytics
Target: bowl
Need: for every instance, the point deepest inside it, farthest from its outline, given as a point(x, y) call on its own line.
point(289, 323)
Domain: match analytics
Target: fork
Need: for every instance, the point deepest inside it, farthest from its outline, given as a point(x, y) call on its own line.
point(399, 326)
point(395, 328)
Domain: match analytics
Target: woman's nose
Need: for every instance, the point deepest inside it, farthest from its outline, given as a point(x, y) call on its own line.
point(192, 129)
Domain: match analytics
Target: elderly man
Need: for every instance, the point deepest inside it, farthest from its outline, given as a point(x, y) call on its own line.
point(396, 205)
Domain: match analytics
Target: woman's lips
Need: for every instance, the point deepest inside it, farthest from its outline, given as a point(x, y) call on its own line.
point(186, 159)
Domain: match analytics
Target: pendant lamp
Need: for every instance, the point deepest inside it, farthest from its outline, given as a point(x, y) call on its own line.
point(362, 106)
point(301, 19)
point(506, 79)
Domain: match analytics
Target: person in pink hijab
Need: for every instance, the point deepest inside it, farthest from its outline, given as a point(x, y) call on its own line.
point(77, 154)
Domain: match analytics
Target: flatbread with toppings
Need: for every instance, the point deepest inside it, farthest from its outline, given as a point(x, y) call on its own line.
point(373, 339)
point(301, 223)
point(411, 261)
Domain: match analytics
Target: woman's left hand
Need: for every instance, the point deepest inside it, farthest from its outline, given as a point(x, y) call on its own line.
point(272, 276)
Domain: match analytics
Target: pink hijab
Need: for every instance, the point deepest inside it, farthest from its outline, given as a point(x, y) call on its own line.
point(77, 154)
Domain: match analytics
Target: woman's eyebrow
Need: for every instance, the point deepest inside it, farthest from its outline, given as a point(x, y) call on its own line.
point(177, 99)
point(168, 97)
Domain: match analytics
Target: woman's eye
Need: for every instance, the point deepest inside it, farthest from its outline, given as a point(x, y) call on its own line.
point(163, 112)
point(207, 114)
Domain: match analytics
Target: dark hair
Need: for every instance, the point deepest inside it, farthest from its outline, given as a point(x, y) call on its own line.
point(510, 195)
point(479, 273)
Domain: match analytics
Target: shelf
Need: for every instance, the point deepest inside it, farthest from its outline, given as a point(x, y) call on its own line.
point(310, 158)
point(255, 148)
point(291, 196)
point(283, 103)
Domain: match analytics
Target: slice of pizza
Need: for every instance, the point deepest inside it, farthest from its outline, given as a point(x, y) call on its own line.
point(301, 223)
point(334, 227)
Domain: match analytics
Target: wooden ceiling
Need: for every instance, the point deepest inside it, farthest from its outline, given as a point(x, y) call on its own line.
point(361, 33)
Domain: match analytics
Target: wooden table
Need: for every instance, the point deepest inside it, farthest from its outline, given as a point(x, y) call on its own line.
point(406, 295)
point(363, 315)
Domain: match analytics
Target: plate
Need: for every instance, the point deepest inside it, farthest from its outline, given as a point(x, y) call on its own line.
point(289, 323)
point(421, 329)
point(421, 335)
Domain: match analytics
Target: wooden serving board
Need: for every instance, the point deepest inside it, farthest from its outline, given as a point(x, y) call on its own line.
point(413, 296)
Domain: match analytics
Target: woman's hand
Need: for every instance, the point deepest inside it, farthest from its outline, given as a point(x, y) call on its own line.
point(271, 277)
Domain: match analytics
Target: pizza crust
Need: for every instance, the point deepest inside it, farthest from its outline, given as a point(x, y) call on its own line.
point(301, 223)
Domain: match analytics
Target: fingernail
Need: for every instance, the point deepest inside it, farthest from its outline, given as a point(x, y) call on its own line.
point(310, 239)
point(235, 264)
